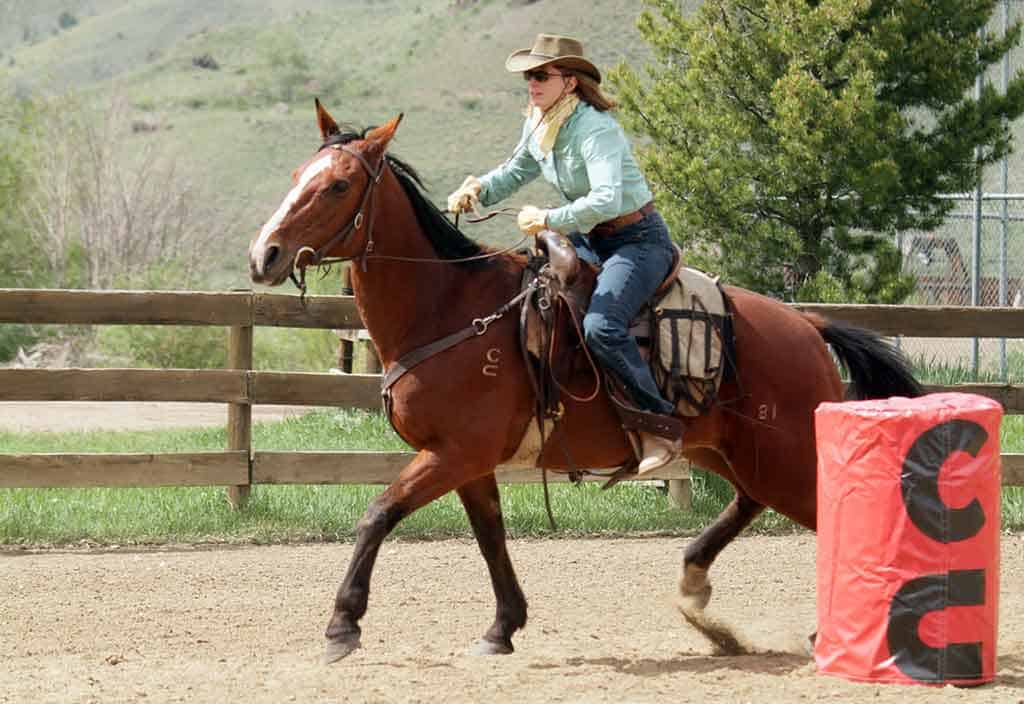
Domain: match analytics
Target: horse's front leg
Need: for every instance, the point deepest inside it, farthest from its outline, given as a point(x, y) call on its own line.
point(483, 506)
point(426, 478)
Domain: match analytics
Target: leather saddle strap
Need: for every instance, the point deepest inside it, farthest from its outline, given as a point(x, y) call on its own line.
point(408, 361)
point(478, 327)
point(539, 410)
point(633, 418)
point(567, 307)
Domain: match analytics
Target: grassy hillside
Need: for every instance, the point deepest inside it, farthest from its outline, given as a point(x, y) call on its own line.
point(241, 129)
point(238, 131)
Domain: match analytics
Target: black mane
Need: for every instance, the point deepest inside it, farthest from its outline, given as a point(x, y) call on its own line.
point(447, 240)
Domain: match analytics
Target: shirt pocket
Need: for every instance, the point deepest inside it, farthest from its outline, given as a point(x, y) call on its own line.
point(572, 174)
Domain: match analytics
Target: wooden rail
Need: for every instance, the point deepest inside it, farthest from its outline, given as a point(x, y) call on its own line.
point(230, 468)
point(233, 308)
point(241, 387)
point(926, 321)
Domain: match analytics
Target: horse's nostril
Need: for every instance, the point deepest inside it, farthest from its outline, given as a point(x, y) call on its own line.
point(271, 256)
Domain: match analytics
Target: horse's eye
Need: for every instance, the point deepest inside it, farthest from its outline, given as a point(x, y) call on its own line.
point(339, 187)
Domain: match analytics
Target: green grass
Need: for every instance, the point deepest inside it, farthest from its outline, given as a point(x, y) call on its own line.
point(310, 513)
point(313, 513)
point(290, 513)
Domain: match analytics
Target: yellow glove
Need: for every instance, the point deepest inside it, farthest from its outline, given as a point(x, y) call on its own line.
point(532, 220)
point(466, 197)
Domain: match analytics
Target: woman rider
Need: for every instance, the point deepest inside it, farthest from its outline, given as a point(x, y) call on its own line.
point(570, 137)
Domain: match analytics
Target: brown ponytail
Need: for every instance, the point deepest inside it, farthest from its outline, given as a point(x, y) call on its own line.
point(589, 91)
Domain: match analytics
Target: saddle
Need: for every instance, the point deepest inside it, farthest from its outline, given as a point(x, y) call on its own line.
point(685, 331)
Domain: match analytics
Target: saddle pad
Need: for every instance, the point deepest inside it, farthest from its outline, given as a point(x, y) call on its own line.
point(690, 319)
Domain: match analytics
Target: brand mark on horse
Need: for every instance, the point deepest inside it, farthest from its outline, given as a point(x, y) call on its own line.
point(493, 356)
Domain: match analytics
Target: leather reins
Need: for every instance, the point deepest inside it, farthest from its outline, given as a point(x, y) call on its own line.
point(409, 360)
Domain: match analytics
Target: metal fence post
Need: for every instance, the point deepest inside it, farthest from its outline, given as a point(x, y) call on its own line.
point(1004, 232)
point(979, 189)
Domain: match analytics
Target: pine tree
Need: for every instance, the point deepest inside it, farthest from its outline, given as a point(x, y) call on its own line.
point(789, 139)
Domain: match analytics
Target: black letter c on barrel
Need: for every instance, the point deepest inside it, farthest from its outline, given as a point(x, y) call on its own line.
point(920, 481)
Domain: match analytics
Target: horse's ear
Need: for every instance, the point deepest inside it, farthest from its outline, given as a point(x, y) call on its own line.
point(328, 127)
point(383, 134)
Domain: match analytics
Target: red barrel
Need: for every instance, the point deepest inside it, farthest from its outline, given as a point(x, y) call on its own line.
point(908, 539)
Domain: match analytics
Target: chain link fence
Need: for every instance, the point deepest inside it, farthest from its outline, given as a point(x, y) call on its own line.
point(977, 256)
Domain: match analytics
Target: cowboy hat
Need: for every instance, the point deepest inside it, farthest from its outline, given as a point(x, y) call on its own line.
point(549, 49)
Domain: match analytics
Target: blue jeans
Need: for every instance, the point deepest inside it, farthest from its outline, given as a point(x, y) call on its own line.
point(634, 261)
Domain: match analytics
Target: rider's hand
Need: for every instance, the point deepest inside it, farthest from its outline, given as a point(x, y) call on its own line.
point(532, 220)
point(466, 197)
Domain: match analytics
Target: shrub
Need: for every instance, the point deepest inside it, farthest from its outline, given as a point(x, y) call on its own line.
point(169, 347)
point(205, 61)
point(14, 336)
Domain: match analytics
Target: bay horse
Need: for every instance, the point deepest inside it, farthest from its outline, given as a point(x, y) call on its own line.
point(465, 408)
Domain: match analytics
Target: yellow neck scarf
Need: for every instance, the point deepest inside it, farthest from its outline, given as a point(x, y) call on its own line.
point(547, 124)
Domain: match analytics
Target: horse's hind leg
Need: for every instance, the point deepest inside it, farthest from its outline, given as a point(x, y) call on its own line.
point(421, 481)
point(694, 586)
point(483, 506)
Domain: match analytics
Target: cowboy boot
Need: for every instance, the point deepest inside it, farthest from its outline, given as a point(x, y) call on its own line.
point(657, 452)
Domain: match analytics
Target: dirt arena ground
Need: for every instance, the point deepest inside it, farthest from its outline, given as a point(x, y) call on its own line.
point(221, 624)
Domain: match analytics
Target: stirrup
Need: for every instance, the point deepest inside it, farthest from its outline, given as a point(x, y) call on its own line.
point(632, 418)
point(657, 452)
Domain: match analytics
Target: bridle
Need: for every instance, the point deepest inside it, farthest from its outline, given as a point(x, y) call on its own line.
point(319, 256)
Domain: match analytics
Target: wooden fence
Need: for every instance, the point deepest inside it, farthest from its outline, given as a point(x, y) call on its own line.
point(238, 466)
point(239, 386)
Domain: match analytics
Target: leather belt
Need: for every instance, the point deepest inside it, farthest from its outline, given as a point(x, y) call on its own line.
point(609, 227)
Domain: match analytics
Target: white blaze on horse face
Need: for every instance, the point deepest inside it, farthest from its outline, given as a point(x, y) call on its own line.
point(291, 199)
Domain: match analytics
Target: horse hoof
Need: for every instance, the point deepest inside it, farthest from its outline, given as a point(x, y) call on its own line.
point(697, 600)
point(489, 647)
point(338, 649)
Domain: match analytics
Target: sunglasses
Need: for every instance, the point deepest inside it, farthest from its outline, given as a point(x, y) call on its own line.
point(540, 76)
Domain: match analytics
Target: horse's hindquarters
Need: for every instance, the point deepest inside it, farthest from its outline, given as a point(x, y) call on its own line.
point(784, 370)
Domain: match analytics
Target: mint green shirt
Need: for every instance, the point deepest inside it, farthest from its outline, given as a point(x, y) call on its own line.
point(591, 165)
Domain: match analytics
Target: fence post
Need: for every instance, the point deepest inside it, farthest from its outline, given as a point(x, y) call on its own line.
point(373, 365)
point(240, 414)
point(681, 493)
point(680, 490)
point(346, 352)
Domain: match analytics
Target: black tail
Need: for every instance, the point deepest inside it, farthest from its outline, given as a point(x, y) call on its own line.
point(876, 368)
